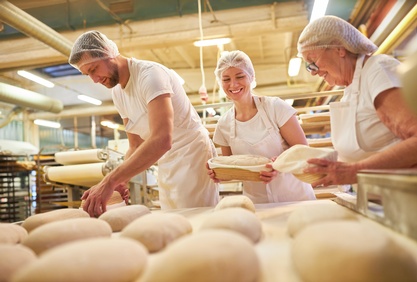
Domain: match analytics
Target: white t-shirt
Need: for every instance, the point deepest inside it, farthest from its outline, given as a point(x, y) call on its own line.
point(254, 130)
point(378, 74)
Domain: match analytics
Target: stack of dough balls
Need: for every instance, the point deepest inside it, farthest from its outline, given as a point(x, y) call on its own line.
point(239, 167)
point(330, 244)
point(294, 160)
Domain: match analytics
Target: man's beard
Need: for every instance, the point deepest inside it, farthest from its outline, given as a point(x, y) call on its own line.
point(113, 79)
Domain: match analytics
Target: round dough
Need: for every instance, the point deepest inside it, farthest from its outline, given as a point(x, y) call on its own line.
point(206, 256)
point(39, 219)
point(346, 251)
point(56, 233)
point(12, 233)
point(13, 258)
point(241, 201)
point(119, 218)
point(155, 231)
point(235, 219)
point(92, 260)
point(306, 215)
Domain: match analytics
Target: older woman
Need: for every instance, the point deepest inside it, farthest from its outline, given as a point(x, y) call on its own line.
point(263, 126)
point(372, 127)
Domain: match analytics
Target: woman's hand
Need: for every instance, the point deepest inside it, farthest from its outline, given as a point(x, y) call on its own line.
point(212, 174)
point(336, 173)
point(268, 176)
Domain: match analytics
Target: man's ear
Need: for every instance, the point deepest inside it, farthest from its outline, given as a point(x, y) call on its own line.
point(341, 51)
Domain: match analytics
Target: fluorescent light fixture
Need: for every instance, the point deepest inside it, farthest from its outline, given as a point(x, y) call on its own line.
point(294, 66)
point(89, 99)
point(47, 123)
point(110, 124)
point(35, 78)
point(319, 9)
point(212, 42)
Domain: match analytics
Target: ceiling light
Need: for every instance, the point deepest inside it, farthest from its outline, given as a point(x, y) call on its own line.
point(319, 9)
point(47, 123)
point(35, 78)
point(212, 42)
point(89, 99)
point(294, 66)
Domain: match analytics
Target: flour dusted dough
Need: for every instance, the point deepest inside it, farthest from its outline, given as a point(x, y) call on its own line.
point(235, 219)
point(119, 218)
point(346, 251)
point(13, 258)
point(206, 256)
point(39, 219)
point(92, 260)
point(241, 160)
point(155, 231)
point(52, 234)
point(313, 214)
point(241, 201)
point(12, 233)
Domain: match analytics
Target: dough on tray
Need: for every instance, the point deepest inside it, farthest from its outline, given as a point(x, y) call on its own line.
point(346, 251)
point(235, 201)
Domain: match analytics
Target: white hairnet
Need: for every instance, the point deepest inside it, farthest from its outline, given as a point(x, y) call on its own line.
point(96, 45)
point(331, 31)
point(237, 59)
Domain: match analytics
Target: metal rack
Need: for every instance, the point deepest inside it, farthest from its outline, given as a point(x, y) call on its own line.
point(15, 200)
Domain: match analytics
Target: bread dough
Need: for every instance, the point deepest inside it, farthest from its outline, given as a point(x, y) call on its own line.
point(39, 219)
point(206, 256)
point(119, 218)
point(346, 251)
point(13, 258)
point(93, 260)
point(241, 201)
point(12, 233)
point(313, 214)
point(50, 235)
point(155, 231)
point(241, 160)
point(235, 219)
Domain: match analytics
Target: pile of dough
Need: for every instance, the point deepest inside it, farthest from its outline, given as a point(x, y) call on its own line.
point(235, 201)
point(39, 219)
point(206, 256)
point(241, 160)
point(346, 251)
point(119, 218)
point(12, 233)
point(98, 259)
point(294, 160)
point(235, 219)
point(13, 258)
point(155, 231)
point(56, 233)
point(312, 214)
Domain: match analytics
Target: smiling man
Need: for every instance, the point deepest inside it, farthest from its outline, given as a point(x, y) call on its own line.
point(161, 124)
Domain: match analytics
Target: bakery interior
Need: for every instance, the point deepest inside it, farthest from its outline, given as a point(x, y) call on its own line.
point(46, 169)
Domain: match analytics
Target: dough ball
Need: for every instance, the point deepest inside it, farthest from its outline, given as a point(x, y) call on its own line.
point(155, 231)
point(39, 219)
point(206, 256)
point(92, 260)
point(241, 201)
point(235, 219)
point(13, 258)
point(119, 218)
point(241, 160)
point(306, 215)
point(346, 251)
point(12, 233)
point(56, 233)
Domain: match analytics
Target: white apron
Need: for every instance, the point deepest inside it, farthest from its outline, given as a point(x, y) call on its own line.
point(182, 175)
point(285, 187)
point(343, 119)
